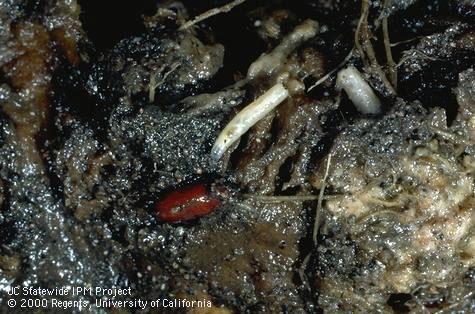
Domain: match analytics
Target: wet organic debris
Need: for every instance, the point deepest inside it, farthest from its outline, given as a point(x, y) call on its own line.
point(403, 200)
point(164, 69)
point(317, 207)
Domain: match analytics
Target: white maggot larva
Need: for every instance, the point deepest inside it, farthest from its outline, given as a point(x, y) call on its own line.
point(358, 90)
point(247, 117)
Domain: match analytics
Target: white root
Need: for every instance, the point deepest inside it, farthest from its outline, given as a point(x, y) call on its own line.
point(247, 117)
point(268, 63)
point(318, 212)
point(224, 9)
point(153, 82)
point(389, 55)
point(326, 76)
point(358, 90)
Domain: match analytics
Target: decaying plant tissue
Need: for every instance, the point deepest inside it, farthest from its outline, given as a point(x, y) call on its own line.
point(278, 156)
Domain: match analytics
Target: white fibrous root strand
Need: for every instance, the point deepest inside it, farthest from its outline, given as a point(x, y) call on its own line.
point(247, 117)
point(267, 63)
point(358, 90)
point(200, 18)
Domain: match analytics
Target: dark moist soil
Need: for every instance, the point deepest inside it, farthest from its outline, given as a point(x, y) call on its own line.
point(88, 148)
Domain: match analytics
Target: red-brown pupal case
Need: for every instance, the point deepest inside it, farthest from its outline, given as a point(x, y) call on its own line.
point(186, 203)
